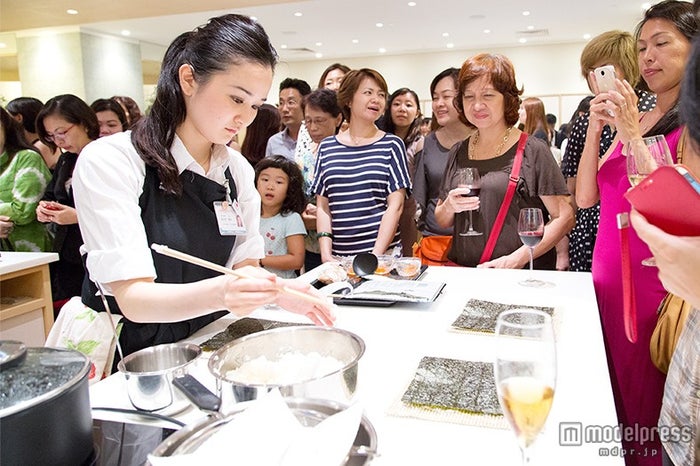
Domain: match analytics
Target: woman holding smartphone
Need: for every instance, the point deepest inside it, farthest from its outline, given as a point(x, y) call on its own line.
point(619, 50)
point(663, 44)
point(162, 182)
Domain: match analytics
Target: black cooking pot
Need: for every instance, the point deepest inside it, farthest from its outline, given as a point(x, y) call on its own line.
point(45, 413)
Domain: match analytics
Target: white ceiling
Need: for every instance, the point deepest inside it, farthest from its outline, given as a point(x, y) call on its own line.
point(330, 27)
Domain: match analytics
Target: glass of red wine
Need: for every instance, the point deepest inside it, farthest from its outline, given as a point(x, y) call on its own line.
point(531, 231)
point(469, 178)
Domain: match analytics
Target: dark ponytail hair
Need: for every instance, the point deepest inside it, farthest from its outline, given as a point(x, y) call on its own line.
point(224, 41)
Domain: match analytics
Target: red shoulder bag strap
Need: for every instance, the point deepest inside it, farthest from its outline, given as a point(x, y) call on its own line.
point(510, 191)
point(629, 305)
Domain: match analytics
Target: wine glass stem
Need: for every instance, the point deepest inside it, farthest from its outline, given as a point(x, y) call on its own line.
point(471, 227)
point(526, 455)
point(530, 250)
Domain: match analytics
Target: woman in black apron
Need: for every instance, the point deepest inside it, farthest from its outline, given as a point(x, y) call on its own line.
point(170, 181)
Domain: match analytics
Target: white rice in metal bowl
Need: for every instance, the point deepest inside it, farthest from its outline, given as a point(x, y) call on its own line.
point(291, 368)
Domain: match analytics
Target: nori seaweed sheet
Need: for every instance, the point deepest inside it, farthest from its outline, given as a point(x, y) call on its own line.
point(464, 386)
point(241, 328)
point(480, 316)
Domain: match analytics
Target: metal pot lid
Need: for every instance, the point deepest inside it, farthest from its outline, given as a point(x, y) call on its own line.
point(43, 374)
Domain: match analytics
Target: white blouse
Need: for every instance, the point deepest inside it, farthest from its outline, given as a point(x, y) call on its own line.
point(107, 184)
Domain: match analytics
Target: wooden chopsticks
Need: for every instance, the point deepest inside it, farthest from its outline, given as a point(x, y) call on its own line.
point(166, 251)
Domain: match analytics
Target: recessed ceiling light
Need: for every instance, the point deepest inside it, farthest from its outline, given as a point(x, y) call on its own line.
point(355, 41)
point(445, 34)
point(487, 31)
point(450, 45)
point(283, 46)
point(586, 36)
point(526, 13)
point(125, 32)
point(72, 12)
point(382, 50)
point(319, 55)
point(646, 6)
point(380, 25)
point(318, 44)
point(530, 28)
point(522, 40)
point(411, 3)
point(2, 45)
point(298, 13)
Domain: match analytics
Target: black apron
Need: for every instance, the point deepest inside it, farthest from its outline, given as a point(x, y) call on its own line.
point(188, 224)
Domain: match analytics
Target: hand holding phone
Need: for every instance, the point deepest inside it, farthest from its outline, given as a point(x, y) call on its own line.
point(605, 78)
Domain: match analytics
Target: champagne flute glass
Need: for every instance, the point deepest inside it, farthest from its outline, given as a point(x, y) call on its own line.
point(525, 372)
point(531, 231)
point(643, 157)
point(469, 178)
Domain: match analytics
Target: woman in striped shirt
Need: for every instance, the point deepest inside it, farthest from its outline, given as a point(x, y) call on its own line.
point(361, 174)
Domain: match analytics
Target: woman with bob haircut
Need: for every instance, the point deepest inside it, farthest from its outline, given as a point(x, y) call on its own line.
point(68, 122)
point(165, 182)
point(488, 100)
point(361, 176)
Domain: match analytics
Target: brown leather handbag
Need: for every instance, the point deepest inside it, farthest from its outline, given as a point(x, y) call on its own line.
point(672, 314)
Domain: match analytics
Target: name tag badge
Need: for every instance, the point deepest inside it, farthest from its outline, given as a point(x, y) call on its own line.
point(229, 218)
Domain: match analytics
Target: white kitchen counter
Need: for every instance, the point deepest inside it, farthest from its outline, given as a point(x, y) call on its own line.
point(397, 337)
point(26, 306)
point(14, 261)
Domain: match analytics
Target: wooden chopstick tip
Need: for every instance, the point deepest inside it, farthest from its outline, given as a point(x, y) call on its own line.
point(160, 248)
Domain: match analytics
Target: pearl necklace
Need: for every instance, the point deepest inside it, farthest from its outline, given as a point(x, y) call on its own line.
point(474, 141)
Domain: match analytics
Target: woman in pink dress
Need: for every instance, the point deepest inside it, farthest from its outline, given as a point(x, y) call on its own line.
point(663, 41)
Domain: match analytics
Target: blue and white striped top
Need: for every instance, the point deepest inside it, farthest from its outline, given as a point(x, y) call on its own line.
point(357, 182)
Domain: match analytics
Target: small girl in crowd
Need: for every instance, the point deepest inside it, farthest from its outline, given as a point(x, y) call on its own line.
point(280, 184)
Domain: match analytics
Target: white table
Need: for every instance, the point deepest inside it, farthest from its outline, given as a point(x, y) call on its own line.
point(398, 337)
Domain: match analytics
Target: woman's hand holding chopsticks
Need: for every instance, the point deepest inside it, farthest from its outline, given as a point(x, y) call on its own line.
point(255, 287)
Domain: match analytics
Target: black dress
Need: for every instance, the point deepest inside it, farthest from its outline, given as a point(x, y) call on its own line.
point(188, 224)
point(67, 274)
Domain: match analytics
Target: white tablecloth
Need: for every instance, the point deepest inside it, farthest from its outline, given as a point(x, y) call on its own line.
point(397, 337)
